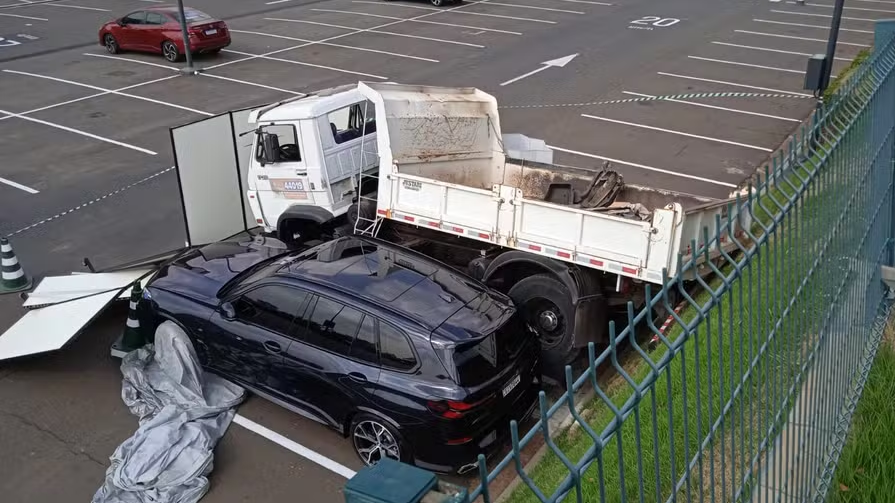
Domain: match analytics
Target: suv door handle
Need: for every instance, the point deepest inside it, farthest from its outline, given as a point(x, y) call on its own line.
point(357, 376)
point(273, 347)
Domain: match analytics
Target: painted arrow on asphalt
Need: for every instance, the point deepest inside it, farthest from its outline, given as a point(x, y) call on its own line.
point(558, 62)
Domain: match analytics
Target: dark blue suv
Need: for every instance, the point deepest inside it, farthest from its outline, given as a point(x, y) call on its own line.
point(406, 356)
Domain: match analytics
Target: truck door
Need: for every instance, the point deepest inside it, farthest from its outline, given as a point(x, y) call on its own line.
point(349, 145)
point(281, 173)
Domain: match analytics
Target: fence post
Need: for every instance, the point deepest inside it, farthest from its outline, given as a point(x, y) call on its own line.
point(883, 31)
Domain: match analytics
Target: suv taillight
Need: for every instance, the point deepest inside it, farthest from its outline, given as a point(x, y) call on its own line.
point(450, 409)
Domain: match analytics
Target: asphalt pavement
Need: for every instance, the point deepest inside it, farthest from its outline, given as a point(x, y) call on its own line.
point(87, 157)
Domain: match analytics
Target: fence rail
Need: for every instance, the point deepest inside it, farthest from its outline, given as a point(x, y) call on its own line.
point(750, 396)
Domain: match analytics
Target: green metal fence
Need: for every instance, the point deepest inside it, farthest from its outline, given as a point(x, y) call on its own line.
point(750, 396)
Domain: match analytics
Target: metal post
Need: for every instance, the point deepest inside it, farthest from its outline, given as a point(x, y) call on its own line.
point(189, 69)
point(831, 43)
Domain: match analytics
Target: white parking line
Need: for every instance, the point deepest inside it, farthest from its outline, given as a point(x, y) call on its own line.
point(82, 98)
point(302, 63)
point(75, 7)
point(343, 35)
point(704, 105)
point(750, 65)
point(295, 447)
point(550, 9)
point(641, 166)
point(464, 26)
point(800, 25)
point(821, 15)
point(763, 34)
point(153, 1)
point(589, 2)
point(440, 40)
point(436, 10)
point(78, 131)
point(18, 186)
point(768, 49)
point(363, 49)
point(734, 84)
point(119, 58)
point(108, 91)
point(680, 133)
point(26, 17)
point(847, 7)
point(255, 84)
point(276, 2)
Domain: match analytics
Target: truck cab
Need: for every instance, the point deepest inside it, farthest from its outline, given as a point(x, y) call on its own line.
point(305, 161)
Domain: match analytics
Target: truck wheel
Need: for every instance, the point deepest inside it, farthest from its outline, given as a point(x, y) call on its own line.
point(546, 307)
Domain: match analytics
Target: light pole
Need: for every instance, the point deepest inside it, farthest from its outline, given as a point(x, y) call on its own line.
point(831, 43)
point(189, 69)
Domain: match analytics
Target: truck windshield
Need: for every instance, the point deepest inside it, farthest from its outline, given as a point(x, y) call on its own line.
point(277, 143)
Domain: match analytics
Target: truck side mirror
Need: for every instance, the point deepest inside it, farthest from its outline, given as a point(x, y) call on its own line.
point(271, 145)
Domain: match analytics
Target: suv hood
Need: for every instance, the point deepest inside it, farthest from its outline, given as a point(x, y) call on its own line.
point(201, 272)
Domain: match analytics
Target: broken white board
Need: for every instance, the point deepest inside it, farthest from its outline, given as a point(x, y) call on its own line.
point(69, 304)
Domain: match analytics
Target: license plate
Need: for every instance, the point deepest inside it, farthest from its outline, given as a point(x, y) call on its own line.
point(210, 32)
point(511, 385)
point(294, 185)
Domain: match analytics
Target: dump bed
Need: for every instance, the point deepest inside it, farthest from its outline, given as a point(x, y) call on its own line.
point(443, 166)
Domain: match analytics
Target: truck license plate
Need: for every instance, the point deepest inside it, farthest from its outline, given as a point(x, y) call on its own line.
point(511, 385)
point(211, 32)
point(293, 185)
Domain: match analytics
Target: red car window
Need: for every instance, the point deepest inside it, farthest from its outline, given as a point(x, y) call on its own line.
point(155, 18)
point(134, 18)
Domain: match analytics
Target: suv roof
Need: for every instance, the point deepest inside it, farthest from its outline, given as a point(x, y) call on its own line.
point(413, 285)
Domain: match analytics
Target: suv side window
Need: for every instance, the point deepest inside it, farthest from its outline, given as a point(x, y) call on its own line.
point(272, 307)
point(395, 351)
point(332, 326)
point(364, 346)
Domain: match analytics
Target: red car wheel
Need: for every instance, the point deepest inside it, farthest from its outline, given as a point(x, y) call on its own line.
point(111, 44)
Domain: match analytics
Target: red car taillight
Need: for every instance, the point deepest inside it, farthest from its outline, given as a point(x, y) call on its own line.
point(450, 409)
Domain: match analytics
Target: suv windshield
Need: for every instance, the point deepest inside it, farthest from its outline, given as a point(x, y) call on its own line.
point(473, 363)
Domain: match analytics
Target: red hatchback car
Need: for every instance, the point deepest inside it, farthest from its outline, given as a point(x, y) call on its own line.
point(157, 30)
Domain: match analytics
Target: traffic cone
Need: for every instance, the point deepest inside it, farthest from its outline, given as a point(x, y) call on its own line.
point(133, 336)
point(12, 277)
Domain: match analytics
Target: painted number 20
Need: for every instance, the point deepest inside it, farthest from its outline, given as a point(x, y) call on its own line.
point(657, 21)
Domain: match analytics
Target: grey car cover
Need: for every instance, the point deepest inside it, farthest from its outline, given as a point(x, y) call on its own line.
point(182, 411)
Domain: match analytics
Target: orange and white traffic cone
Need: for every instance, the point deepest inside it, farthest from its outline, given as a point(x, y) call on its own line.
point(12, 276)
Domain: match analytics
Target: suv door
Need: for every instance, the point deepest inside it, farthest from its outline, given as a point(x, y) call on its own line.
point(333, 363)
point(248, 343)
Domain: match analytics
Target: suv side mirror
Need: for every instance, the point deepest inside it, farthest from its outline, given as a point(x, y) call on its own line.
point(227, 311)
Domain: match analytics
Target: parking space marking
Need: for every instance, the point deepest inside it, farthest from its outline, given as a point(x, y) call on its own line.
point(373, 30)
point(295, 447)
point(78, 131)
point(821, 15)
point(18, 186)
point(734, 84)
point(75, 7)
point(26, 17)
point(800, 25)
point(641, 166)
point(715, 107)
point(343, 35)
point(768, 49)
point(276, 2)
point(550, 9)
point(436, 10)
point(463, 26)
point(750, 65)
point(119, 58)
point(109, 91)
point(255, 84)
point(329, 44)
point(807, 39)
point(302, 63)
point(680, 133)
point(153, 1)
point(847, 7)
point(90, 96)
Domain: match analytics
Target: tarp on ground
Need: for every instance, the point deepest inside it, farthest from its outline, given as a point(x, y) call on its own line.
point(183, 412)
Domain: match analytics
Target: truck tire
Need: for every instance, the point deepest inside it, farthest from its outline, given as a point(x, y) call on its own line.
point(546, 306)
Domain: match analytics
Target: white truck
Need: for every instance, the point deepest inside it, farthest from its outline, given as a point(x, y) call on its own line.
point(430, 168)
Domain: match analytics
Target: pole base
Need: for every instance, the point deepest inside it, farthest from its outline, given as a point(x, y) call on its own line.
point(191, 70)
point(117, 350)
point(22, 288)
